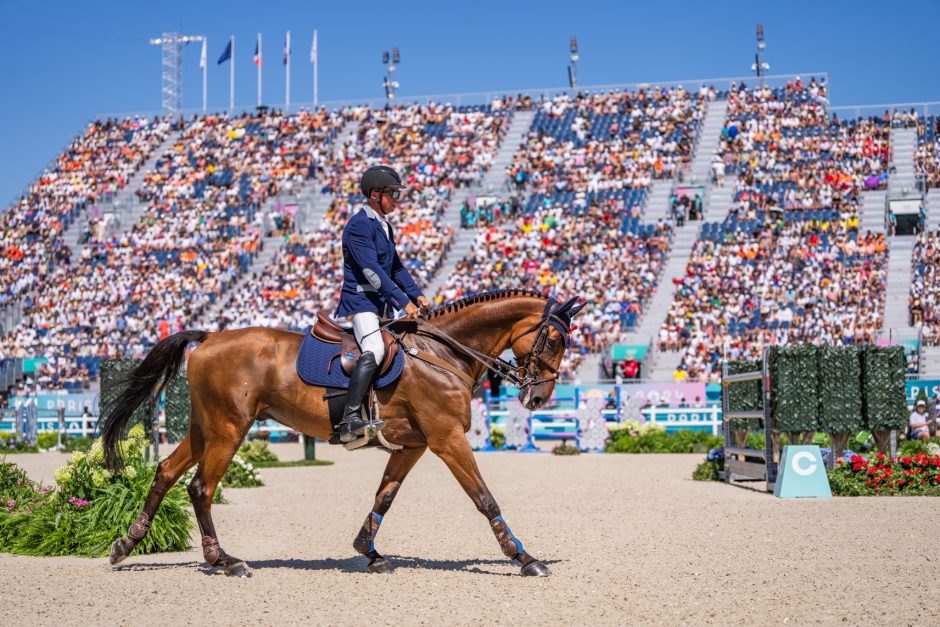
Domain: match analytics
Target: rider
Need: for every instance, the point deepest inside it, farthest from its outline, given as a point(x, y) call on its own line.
point(375, 282)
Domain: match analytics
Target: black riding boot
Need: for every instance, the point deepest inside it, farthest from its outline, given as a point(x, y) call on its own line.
point(353, 424)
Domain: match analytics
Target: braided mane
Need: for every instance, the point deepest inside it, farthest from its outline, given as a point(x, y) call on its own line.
point(459, 304)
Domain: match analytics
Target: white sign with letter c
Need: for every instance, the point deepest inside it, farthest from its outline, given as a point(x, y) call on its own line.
point(803, 471)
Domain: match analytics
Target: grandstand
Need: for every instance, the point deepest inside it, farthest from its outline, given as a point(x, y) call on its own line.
point(142, 227)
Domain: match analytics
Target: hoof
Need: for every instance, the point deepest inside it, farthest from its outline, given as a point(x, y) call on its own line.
point(535, 569)
point(237, 569)
point(380, 565)
point(120, 550)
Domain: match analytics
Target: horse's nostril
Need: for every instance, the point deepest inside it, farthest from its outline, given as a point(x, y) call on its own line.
point(537, 400)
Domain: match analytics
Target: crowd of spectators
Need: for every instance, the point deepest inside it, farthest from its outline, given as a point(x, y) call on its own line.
point(781, 281)
point(602, 255)
point(604, 141)
point(202, 227)
point(789, 155)
point(788, 264)
point(95, 165)
point(436, 148)
point(489, 211)
point(925, 288)
point(928, 147)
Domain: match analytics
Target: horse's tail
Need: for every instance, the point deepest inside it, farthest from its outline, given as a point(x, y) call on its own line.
point(143, 385)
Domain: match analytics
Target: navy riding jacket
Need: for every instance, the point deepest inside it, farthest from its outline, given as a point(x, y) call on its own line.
point(374, 278)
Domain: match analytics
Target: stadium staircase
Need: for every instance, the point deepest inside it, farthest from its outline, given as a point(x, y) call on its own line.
point(126, 206)
point(711, 132)
point(930, 361)
point(897, 319)
point(312, 205)
point(872, 218)
point(269, 247)
point(312, 202)
point(11, 314)
point(657, 201)
point(659, 366)
point(493, 182)
point(903, 143)
point(932, 207)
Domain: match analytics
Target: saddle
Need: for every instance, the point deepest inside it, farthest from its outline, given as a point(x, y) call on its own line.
point(328, 331)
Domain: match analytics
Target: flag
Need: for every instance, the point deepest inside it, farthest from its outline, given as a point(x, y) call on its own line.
point(226, 54)
point(287, 49)
point(313, 49)
point(202, 57)
point(258, 53)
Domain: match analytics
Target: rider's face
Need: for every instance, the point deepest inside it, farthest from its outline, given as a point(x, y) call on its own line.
point(387, 201)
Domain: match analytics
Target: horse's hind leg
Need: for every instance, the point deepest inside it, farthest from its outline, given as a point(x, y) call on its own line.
point(398, 467)
point(455, 450)
point(168, 473)
point(218, 456)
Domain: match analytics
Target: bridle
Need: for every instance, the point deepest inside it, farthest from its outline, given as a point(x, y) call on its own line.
point(532, 362)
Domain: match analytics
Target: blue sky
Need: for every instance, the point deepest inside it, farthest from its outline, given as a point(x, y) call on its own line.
point(68, 62)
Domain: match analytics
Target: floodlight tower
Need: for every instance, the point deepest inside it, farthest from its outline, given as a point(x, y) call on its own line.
point(391, 64)
point(172, 77)
point(573, 66)
point(759, 66)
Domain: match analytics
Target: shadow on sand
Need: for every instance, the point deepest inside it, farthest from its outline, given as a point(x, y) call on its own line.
point(346, 565)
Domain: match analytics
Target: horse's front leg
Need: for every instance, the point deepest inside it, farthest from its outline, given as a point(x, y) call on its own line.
point(455, 450)
point(398, 467)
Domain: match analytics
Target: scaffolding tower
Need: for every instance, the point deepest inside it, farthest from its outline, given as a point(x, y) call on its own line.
point(172, 66)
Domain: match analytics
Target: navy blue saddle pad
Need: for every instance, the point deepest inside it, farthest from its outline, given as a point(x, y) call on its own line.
point(314, 358)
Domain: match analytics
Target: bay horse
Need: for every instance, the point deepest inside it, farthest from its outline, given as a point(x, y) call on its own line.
point(239, 376)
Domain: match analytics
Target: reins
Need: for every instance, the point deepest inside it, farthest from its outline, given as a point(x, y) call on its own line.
point(497, 365)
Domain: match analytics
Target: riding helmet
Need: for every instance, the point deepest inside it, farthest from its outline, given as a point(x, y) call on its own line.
point(379, 177)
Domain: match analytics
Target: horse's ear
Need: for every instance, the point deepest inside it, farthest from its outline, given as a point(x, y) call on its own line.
point(565, 308)
point(576, 309)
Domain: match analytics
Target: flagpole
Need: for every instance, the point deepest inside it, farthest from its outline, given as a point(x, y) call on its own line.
point(258, 63)
point(231, 80)
point(205, 65)
point(287, 71)
point(316, 61)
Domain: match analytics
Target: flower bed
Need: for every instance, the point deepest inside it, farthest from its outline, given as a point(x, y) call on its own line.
point(880, 475)
point(90, 507)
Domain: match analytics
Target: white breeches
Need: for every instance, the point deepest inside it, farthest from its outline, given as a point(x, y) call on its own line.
point(368, 336)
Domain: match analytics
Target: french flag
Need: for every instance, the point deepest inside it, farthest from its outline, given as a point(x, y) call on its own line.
point(258, 52)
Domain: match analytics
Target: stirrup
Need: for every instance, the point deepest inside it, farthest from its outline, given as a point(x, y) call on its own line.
point(354, 432)
point(373, 430)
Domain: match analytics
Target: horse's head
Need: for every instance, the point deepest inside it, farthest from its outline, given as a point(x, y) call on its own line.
point(539, 349)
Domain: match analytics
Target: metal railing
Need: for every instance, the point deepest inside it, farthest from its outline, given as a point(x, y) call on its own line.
point(485, 97)
point(925, 108)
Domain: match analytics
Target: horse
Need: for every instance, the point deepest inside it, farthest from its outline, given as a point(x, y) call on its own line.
point(239, 376)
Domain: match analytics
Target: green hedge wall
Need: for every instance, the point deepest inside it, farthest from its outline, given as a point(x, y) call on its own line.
point(840, 389)
point(885, 398)
point(793, 374)
point(113, 372)
point(746, 395)
point(835, 389)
